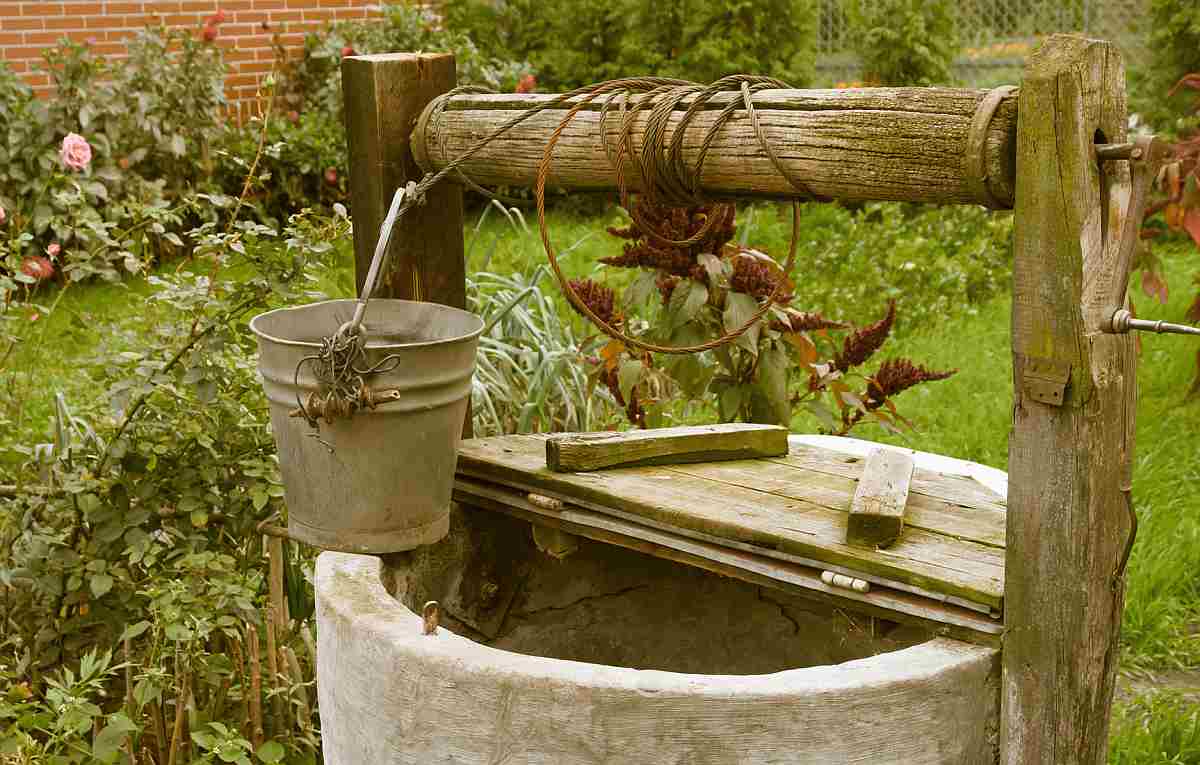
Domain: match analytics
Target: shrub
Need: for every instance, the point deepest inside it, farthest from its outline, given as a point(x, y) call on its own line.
point(134, 533)
point(904, 42)
point(571, 43)
point(1173, 51)
point(142, 129)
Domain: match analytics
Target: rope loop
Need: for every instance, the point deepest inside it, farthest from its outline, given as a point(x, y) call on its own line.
point(663, 176)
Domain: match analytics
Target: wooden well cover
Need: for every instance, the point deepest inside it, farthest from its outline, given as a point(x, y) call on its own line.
point(791, 509)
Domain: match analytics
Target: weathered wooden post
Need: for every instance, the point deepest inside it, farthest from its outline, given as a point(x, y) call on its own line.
point(384, 94)
point(1071, 447)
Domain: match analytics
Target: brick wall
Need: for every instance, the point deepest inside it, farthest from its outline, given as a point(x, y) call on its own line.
point(28, 28)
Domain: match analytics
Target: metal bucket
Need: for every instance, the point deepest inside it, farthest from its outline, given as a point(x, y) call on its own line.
point(381, 480)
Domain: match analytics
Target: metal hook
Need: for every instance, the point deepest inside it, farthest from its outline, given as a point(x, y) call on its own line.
point(429, 613)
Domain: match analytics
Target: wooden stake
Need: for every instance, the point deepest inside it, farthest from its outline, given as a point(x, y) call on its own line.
point(275, 553)
point(180, 710)
point(1071, 448)
point(384, 95)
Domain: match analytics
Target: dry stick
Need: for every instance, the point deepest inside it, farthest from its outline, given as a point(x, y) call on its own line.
point(148, 756)
point(129, 705)
point(256, 721)
point(160, 731)
point(289, 712)
point(273, 676)
point(180, 709)
point(239, 666)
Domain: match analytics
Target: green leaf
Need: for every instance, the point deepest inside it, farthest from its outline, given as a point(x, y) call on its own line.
point(822, 413)
point(687, 299)
point(101, 584)
point(178, 145)
point(178, 632)
point(739, 307)
point(629, 374)
point(108, 742)
point(640, 290)
point(771, 386)
point(731, 400)
point(96, 189)
point(714, 267)
point(134, 630)
point(270, 752)
point(259, 497)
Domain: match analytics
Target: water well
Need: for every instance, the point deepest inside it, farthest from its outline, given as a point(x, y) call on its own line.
point(609, 655)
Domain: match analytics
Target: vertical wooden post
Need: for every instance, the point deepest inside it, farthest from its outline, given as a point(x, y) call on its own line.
point(1071, 447)
point(384, 94)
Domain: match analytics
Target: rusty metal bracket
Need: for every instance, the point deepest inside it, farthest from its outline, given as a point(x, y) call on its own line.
point(1145, 155)
point(1046, 380)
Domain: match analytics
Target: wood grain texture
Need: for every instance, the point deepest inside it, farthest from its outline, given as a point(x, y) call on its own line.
point(908, 144)
point(392, 696)
point(384, 94)
point(877, 510)
point(939, 618)
point(777, 508)
point(576, 452)
point(1068, 463)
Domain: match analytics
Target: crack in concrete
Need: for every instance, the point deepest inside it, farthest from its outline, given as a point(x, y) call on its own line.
point(550, 609)
point(782, 611)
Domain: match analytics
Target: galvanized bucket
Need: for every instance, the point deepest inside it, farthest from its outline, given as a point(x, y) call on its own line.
point(379, 481)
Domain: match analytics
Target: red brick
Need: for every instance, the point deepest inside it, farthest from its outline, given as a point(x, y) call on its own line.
point(274, 4)
point(68, 22)
point(112, 22)
point(11, 38)
point(161, 6)
point(255, 67)
point(111, 8)
point(43, 9)
point(278, 16)
point(83, 9)
point(14, 24)
point(46, 39)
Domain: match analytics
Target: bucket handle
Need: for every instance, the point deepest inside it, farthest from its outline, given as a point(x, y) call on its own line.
point(379, 259)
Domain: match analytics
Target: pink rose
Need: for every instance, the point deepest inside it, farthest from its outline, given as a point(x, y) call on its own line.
point(38, 267)
point(217, 18)
point(348, 51)
point(76, 152)
point(210, 32)
point(53, 249)
point(3, 217)
point(331, 175)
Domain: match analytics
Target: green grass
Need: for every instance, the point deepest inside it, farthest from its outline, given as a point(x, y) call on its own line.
point(967, 416)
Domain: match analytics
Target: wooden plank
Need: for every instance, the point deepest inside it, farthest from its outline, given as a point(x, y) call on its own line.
point(939, 618)
point(384, 94)
point(574, 452)
point(877, 510)
point(1069, 461)
point(960, 490)
point(908, 144)
point(675, 497)
point(982, 525)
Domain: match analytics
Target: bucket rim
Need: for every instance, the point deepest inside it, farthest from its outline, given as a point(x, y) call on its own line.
point(258, 332)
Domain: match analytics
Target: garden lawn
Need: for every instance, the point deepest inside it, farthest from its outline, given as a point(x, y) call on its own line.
point(967, 416)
